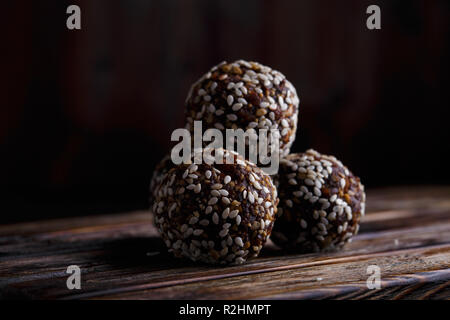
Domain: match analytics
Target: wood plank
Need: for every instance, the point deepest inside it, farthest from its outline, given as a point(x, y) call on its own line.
point(112, 253)
point(340, 271)
point(118, 270)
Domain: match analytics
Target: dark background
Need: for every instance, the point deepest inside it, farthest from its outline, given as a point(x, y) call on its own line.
point(85, 115)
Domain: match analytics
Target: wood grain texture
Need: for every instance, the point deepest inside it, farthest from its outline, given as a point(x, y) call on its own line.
point(406, 232)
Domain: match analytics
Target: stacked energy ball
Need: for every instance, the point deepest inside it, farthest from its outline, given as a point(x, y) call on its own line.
point(321, 203)
point(245, 95)
point(220, 213)
point(224, 211)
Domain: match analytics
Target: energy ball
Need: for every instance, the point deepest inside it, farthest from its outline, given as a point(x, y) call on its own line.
point(216, 213)
point(244, 95)
point(321, 203)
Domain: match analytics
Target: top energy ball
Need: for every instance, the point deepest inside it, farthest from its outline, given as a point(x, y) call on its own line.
point(245, 95)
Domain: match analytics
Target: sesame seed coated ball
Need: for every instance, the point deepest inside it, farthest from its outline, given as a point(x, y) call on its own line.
point(218, 213)
point(321, 203)
point(245, 95)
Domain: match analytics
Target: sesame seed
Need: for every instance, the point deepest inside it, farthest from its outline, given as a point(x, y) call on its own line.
point(193, 220)
point(239, 260)
point(297, 194)
point(190, 187)
point(213, 201)
point(216, 186)
point(223, 233)
point(238, 219)
point(309, 182)
point(292, 181)
point(251, 198)
point(262, 224)
point(208, 174)
point(237, 106)
point(303, 224)
point(289, 203)
point(198, 188)
point(226, 200)
point(333, 198)
point(238, 241)
point(211, 108)
point(219, 126)
point(230, 100)
point(232, 117)
point(332, 216)
point(317, 192)
point(204, 222)
point(257, 185)
point(233, 214)
point(280, 100)
point(342, 182)
point(215, 218)
point(325, 205)
point(225, 213)
point(198, 232)
point(226, 225)
point(227, 179)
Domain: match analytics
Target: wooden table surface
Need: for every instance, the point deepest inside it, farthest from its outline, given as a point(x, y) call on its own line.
point(406, 233)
